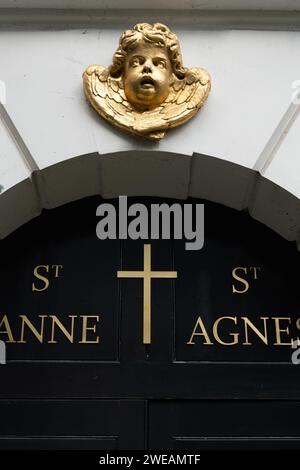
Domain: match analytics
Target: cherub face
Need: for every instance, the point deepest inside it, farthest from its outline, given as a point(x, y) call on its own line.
point(147, 76)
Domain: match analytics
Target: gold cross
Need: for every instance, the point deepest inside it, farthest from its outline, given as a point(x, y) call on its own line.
point(147, 275)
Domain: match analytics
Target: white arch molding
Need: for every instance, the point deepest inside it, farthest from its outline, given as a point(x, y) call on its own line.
point(151, 173)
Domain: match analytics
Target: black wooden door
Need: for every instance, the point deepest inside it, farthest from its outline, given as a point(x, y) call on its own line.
point(118, 393)
point(72, 424)
point(224, 425)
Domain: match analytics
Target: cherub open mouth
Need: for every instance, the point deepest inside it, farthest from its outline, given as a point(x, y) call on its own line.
point(147, 82)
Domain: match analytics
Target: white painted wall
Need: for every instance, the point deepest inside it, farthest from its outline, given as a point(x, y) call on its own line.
point(252, 73)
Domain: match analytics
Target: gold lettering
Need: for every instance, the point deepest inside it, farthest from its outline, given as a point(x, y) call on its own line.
point(42, 278)
point(57, 267)
point(57, 322)
point(216, 333)
point(281, 330)
point(37, 334)
point(202, 332)
point(7, 330)
point(86, 328)
point(262, 336)
point(240, 279)
point(255, 269)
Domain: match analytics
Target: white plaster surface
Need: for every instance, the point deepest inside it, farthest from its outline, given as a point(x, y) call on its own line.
point(285, 167)
point(18, 199)
point(251, 73)
point(13, 170)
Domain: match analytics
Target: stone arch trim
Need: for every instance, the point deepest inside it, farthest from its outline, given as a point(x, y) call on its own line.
point(151, 173)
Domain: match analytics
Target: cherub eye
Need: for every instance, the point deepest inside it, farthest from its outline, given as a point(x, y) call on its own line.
point(137, 61)
point(159, 63)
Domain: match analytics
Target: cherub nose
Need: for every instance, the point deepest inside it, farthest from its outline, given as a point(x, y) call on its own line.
point(147, 69)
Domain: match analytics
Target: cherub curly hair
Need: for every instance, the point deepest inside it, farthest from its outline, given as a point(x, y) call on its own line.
point(159, 35)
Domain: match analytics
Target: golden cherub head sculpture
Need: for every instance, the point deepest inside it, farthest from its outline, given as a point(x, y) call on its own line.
point(147, 90)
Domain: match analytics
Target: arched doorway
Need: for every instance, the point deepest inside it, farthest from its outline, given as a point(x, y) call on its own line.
point(218, 372)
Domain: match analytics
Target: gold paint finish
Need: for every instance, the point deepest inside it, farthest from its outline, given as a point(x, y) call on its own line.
point(147, 275)
point(147, 90)
point(147, 76)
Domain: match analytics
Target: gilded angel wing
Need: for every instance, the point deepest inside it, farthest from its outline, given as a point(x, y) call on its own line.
point(186, 97)
point(106, 95)
point(184, 100)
